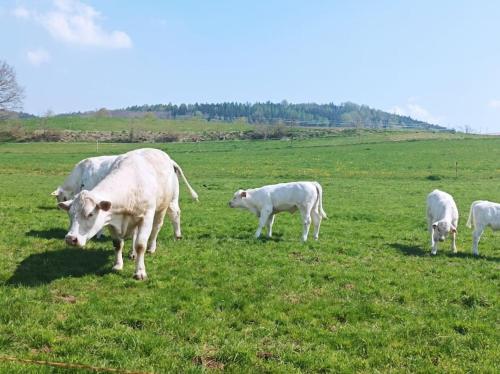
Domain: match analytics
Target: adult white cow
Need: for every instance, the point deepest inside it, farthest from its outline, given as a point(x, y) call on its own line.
point(265, 202)
point(85, 175)
point(442, 218)
point(141, 187)
point(481, 215)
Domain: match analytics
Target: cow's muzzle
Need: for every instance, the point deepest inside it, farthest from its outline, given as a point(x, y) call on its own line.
point(71, 240)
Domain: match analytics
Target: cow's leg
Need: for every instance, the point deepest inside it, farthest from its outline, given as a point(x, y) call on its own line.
point(157, 224)
point(306, 221)
point(133, 254)
point(174, 213)
point(269, 224)
point(264, 216)
point(118, 244)
point(316, 220)
point(434, 244)
point(143, 233)
point(476, 235)
point(453, 242)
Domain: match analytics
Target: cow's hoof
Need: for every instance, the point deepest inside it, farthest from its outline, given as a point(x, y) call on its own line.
point(132, 255)
point(118, 267)
point(433, 253)
point(178, 238)
point(140, 275)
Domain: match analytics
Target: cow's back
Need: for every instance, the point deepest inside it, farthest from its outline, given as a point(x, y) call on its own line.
point(439, 202)
point(94, 169)
point(139, 180)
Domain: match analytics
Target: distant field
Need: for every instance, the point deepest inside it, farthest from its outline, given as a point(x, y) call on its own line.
point(367, 297)
point(125, 124)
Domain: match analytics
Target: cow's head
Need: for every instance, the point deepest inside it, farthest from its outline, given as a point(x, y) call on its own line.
point(88, 214)
point(239, 199)
point(61, 194)
point(441, 229)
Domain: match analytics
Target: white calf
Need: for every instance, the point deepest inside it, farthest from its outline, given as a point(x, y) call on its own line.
point(481, 215)
point(442, 218)
point(266, 201)
point(85, 175)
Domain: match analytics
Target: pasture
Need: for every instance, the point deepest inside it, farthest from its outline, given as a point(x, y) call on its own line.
point(366, 297)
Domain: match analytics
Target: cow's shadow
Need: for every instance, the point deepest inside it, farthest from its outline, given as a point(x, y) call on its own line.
point(58, 233)
point(43, 268)
point(415, 250)
point(54, 233)
point(410, 250)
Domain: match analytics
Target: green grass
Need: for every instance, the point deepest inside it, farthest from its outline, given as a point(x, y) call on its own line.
point(366, 297)
point(192, 125)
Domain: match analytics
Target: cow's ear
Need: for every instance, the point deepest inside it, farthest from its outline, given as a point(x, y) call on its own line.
point(65, 205)
point(243, 194)
point(104, 205)
point(55, 192)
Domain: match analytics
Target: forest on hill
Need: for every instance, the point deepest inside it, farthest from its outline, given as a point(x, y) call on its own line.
point(308, 114)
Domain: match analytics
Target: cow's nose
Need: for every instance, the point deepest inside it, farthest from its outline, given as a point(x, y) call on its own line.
point(71, 240)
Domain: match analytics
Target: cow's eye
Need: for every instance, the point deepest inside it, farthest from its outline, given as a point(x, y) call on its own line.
point(91, 215)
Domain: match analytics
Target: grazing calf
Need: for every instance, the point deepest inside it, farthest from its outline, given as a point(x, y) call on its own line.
point(266, 201)
point(141, 187)
point(481, 215)
point(85, 175)
point(442, 218)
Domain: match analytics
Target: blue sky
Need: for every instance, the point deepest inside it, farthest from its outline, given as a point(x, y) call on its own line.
point(437, 61)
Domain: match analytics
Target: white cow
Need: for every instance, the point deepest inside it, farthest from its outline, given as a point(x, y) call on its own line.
point(266, 201)
point(442, 218)
point(481, 215)
point(85, 175)
point(141, 187)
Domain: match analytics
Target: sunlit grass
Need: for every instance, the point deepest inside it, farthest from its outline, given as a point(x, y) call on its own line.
point(366, 297)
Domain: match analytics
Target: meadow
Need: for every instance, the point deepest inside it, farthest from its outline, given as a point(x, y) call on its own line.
point(367, 297)
point(145, 123)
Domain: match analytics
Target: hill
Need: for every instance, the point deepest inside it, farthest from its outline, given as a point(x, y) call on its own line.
point(307, 114)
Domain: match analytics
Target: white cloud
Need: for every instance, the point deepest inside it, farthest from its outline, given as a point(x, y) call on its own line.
point(38, 56)
point(21, 12)
point(494, 103)
point(75, 22)
point(415, 111)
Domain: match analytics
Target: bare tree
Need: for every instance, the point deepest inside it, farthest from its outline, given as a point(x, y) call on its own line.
point(11, 94)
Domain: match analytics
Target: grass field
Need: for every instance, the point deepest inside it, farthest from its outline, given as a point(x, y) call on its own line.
point(366, 297)
point(90, 123)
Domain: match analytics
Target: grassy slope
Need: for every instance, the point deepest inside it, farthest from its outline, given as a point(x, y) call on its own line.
point(367, 296)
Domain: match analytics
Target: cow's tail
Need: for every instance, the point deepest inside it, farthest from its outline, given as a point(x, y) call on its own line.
point(471, 219)
point(320, 199)
point(179, 173)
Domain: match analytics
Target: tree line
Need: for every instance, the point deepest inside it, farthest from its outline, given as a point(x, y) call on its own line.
point(307, 114)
